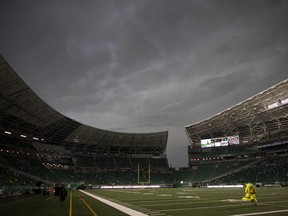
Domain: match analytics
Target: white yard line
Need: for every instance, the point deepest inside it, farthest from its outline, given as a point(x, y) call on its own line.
point(261, 213)
point(116, 205)
point(204, 207)
point(223, 206)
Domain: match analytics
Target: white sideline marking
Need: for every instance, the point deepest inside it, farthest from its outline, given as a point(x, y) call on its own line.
point(115, 205)
point(261, 213)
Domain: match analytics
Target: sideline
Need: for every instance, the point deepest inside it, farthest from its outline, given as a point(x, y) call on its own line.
point(82, 199)
point(116, 205)
point(70, 212)
point(261, 213)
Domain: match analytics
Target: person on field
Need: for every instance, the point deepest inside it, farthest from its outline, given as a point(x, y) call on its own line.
point(250, 194)
point(62, 195)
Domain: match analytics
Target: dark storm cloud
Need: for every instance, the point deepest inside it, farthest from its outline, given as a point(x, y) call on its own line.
point(146, 66)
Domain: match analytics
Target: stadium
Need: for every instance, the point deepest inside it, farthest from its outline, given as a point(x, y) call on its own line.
point(114, 173)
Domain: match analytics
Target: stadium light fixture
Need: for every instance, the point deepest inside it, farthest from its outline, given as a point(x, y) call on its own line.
point(24, 136)
point(284, 101)
point(272, 106)
point(7, 132)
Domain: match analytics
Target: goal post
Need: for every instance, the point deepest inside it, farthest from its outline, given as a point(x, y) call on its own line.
point(142, 181)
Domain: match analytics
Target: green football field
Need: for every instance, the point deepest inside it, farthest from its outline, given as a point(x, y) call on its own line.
point(176, 201)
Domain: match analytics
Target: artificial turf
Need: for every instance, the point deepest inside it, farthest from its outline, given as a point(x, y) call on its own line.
point(167, 202)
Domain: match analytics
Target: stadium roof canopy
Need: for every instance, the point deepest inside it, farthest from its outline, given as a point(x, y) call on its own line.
point(23, 112)
point(260, 117)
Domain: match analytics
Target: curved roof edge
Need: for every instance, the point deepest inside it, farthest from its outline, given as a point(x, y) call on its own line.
point(19, 103)
point(256, 118)
point(240, 103)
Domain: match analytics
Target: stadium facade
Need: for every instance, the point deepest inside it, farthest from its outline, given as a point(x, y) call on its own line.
point(251, 136)
point(39, 143)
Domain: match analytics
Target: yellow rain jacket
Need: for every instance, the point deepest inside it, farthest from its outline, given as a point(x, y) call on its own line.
point(250, 193)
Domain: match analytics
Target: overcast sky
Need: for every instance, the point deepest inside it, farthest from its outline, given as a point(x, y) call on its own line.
point(146, 65)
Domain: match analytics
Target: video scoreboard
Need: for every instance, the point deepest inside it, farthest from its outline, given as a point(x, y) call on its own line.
point(220, 141)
